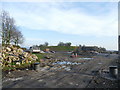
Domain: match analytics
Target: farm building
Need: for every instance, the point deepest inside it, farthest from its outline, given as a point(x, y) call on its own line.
point(35, 49)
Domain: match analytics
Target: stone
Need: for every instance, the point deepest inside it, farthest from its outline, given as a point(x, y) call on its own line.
point(17, 58)
point(13, 65)
point(34, 56)
point(20, 50)
point(14, 51)
point(9, 72)
point(10, 46)
point(26, 61)
point(11, 53)
point(8, 49)
point(23, 62)
point(7, 52)
point(18, 63)
point(47, 67)
point(3, 51)
point(14, 59)
point(3, 55)
point(27, 69)
point(11, 57)
point(10, 60)
point(25, 54)
point(29, 61)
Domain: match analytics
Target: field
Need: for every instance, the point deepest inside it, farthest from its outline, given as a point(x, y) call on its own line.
point(60, 48)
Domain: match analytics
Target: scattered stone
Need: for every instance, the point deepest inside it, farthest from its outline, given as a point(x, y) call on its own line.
point(9, 72)
point(8, 49)
point(27, 69)
point(17, 63)
point(76, 84)
point(12, 54)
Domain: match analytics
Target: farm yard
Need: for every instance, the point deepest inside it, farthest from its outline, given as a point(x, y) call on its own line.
point(58, 70)
point(59, 44)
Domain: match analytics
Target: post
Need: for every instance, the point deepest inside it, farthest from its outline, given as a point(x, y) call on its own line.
point(118, 61)
point(118, 44)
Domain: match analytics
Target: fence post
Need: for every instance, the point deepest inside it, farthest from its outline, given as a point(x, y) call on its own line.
point(118, 45)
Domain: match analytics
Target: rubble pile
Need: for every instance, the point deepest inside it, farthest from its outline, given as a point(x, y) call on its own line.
point(12, 54)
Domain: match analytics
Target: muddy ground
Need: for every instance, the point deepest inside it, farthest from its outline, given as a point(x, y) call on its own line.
point(84, 74)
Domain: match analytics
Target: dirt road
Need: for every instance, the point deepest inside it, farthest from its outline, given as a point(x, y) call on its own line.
point(84, 75)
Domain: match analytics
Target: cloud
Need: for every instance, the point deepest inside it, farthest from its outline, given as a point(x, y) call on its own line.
point(77, 21)
point(60, 1)
point(32, 41)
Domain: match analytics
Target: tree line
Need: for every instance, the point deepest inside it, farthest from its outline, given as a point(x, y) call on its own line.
point(64, 44)
point(59, 44)
point(10, 32)
point(78, 49)
point(81, 49)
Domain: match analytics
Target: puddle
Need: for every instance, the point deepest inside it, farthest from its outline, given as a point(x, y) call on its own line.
point(99, 63)
point(44, 69)
point(65, 68)
point(85, 58)
point(40, 80)
point(13, 79)
point(62, 67)
point(54, 63)
point(67, 63)
point(64, 62)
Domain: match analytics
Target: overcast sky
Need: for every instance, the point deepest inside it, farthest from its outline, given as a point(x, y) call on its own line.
point(85, 23)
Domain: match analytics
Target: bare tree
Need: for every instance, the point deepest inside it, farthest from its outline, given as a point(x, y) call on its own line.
point(12, 26)
point(17, 37)
point(4, 15)
point(10, 32)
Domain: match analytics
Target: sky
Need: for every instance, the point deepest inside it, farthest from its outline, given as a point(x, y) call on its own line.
point(81, 23)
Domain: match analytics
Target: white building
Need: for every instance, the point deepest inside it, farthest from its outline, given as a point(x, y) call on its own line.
point(35, 49)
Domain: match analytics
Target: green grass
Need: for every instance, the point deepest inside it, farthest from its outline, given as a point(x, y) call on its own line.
point(39, 55)
point(13, 63)
point(25, 65)
point(6, 68)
